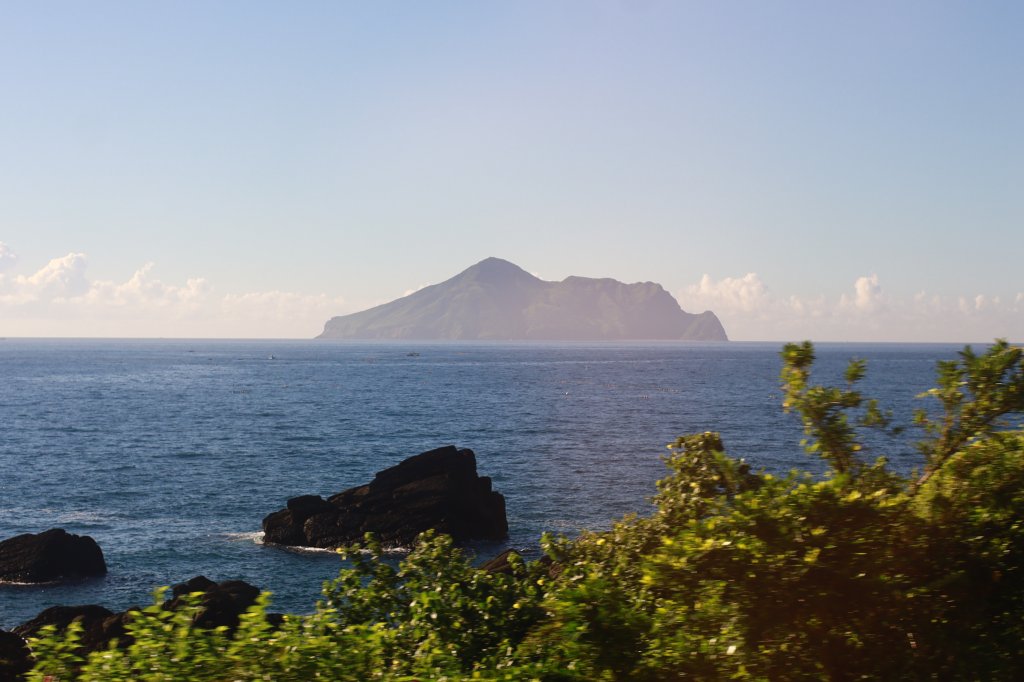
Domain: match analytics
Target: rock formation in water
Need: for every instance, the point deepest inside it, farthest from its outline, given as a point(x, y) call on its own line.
point(52, 555)
point(99, 624)
point(496, 300)
point(438, 490)
point(220, 604)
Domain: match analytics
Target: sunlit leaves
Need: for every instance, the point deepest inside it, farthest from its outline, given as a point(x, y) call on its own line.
point(976, 395)
point(830, 415)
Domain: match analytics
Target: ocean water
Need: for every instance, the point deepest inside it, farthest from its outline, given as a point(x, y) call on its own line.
point(170, 453)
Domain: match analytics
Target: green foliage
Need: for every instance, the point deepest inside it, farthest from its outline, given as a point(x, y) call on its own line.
point(976, 394)
point(975, 506)
point(863, 573)
point(826, 410)
point(57, 653)
point(440, 615)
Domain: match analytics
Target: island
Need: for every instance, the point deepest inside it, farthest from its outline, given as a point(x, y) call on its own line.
point(499, 301)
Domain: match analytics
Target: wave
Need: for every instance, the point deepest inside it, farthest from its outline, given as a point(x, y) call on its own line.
point(300, 549)
point(257, 538)
point(15, 583)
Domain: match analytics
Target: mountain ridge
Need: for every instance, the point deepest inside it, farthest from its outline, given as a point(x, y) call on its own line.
point(498, 300)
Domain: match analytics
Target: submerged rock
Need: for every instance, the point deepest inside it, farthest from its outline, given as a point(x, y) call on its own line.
point(435, 490)
point(52, 555)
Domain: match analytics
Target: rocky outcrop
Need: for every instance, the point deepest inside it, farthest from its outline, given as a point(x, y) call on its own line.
point(220, 604)
point(436, 490)
point(99, 625)
point(498, 300)
point(49, 556)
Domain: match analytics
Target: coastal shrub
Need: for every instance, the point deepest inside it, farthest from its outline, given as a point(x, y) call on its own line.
point(433, 616)
point(862, 572)
point(438, 613)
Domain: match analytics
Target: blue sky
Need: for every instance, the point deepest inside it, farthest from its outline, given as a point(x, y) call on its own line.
point(834, 171)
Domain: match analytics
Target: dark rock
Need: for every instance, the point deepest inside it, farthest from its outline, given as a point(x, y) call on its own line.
point(99, 625)
point(308, 505)
point(198, 584)
point(15, 659)
point(501, 564)
point(286, 529)
point(436, 490)
point(48, 556)
point(221, 604)
point(280, 528)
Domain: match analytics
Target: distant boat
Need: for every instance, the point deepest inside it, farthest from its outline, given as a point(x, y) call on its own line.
point(412, 354)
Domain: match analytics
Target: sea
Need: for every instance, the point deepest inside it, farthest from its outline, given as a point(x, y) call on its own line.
point(169, 453)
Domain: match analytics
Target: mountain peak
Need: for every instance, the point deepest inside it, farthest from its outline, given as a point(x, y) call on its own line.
point(496, 270)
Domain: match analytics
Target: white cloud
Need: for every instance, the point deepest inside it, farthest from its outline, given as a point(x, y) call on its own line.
point(143, 294)
point(982, 302)
point(60, 278)
point(60, 299)
point(867, 296)
point(750, 311)
point(7, 258)
point(747, 293)
point(409, 292)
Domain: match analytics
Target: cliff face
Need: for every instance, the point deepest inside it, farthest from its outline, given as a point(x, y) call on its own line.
point(497, 300)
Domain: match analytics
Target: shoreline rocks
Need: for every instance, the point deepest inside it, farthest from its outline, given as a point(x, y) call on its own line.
point(15, 658)
point(50, 556)
point(99, 624)
point(220, 604)
point(435, 490)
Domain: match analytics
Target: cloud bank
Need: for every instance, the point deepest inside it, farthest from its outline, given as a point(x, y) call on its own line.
point(60, 299)
point(750, 311)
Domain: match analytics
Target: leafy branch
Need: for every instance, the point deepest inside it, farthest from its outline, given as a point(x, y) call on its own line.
point(824, 410)
point(976, 393)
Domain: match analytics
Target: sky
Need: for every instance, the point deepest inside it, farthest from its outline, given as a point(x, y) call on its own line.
point(831, 171)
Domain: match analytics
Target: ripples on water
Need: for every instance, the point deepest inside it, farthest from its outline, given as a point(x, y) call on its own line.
point(170, 453)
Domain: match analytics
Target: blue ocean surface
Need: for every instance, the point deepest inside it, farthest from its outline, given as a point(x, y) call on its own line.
point(170, 453)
